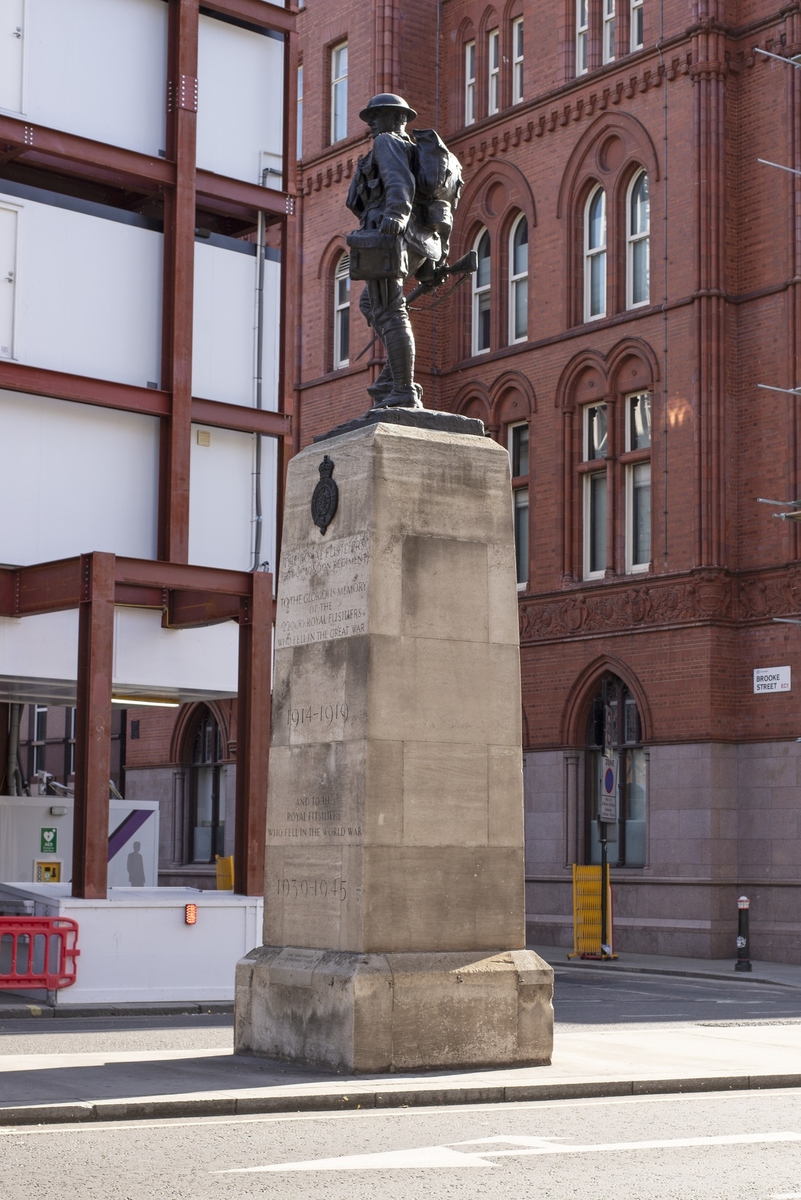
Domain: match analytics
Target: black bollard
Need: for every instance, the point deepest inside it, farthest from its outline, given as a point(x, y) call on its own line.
point(743, 960)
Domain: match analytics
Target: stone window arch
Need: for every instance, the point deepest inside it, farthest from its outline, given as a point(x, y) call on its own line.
point(495, 199)
point(607, 403)
point(609, 155)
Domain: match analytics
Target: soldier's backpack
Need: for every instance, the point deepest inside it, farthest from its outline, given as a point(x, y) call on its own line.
point(438, 173)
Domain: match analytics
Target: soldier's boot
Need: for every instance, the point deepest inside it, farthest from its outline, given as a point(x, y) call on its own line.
point(382, 386)
point(399, 344)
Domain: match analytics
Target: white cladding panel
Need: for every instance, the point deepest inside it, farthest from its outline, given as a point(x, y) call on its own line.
point(146, 655)
point(88, 294)
point(226, 323)
point(240, 102)
point(97, 68)
point(11, 54)
point(223, 346)
point(75, 478)
point(221, 499)
point(8, 270)
point(42, 647)
point(271, 336)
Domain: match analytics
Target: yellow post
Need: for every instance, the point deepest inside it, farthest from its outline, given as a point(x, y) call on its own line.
point(587, 937)
point(225, 873)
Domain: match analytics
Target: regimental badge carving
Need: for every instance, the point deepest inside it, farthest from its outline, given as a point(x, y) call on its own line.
point(325, 497)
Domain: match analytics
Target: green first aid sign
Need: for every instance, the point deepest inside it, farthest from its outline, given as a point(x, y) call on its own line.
point(48, 841)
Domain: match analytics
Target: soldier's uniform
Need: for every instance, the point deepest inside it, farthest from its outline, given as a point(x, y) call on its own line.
point(382, 194)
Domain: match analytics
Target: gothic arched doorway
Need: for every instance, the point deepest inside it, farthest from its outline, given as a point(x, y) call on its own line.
point(615, 724)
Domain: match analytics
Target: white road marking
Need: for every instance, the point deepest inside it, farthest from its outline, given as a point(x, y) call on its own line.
point(785, 1196)
point(427, 1157)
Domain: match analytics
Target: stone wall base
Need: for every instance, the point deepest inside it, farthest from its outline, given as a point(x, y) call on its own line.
point(403, 1012)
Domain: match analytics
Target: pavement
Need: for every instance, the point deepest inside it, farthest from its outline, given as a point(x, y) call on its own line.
point(780, 974)
point(50, 1076)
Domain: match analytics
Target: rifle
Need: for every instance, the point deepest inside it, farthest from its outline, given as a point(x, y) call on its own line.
point(466, 265)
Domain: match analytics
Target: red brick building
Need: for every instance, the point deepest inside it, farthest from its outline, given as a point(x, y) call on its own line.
point(640, 276)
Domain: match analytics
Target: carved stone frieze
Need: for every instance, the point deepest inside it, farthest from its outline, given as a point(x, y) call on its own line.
point(777, 594)
point(701, 596)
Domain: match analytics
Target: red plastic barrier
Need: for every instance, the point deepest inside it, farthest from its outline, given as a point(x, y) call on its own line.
point(38, 952)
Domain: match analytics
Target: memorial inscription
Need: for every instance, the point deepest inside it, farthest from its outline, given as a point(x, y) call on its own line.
point(323, 592)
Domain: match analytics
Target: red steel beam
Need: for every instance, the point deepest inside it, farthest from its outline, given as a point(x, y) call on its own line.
point(193, 609)
point(253, 736)
point(113, 164)
point(145, 583)
point(127, 165)
point(151, 402)
point(240, 198)
point(61, 386)
point(257, 12)
point(46, 587)
point(237, 416)
point(143, 572)
point(179, 266)
point(93, 727)
point(134, 595)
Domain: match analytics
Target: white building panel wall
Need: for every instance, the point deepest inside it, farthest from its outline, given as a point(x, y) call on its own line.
point(240, 102)
point(271, 334)
point(221, 506)
point(11, 54)
point(42, 647)
point(75, 478)
point(88, 294)
point(97, 68)
point(149, 656)
point(9, 217)
point(226, 322)
point(223, 354)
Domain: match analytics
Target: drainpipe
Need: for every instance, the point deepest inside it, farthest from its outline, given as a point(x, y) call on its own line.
point(259, 381)
point(12, 766)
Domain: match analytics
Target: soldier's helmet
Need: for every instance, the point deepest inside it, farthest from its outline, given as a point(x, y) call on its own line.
point(387, 100)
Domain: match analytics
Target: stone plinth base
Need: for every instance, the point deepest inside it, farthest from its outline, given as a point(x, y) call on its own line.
point(403, 1012)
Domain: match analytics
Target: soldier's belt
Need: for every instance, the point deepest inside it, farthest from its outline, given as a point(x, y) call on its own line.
point(376, 255)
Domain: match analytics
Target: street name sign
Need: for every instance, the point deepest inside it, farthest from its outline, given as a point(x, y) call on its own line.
point(772, 679)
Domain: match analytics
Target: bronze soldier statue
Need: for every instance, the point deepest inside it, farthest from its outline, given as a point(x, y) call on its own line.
point(404, 192)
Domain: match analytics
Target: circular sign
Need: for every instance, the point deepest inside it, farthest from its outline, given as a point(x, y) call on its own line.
point(609, 781)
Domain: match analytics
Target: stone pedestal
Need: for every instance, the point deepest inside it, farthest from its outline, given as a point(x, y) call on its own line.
point(394, 887)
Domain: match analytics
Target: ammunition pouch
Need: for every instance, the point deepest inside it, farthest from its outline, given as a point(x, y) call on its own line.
point(375, 255)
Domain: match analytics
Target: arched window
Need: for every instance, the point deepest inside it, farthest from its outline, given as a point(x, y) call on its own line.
point(636, 25)
point(470, 83)
point(638, 241)
point(614, 738)
point(517, 60)
point(342, 313)
point(207, 791)
point(481, 294)
point(582, 36)
point(595, 255)
point(494, 70)
point(518, 280)
point(609, 31)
